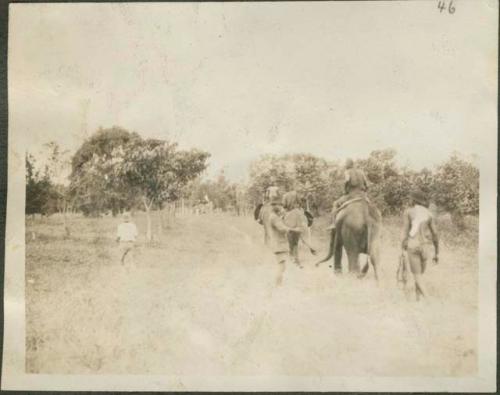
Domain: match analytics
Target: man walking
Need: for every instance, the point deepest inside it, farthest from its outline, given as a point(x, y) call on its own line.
point(126, 236)
point(294, 218)
point(279, 238)
point(419, 232)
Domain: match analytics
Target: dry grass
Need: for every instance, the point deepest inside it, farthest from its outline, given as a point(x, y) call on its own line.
point(202, 301)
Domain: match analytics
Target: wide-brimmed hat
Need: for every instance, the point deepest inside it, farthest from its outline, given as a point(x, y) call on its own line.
point(419, 197)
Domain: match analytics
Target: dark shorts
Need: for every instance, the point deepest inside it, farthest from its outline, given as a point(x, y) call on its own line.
point(293, 238)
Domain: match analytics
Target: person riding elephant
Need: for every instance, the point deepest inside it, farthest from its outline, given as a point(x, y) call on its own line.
point(355, 185)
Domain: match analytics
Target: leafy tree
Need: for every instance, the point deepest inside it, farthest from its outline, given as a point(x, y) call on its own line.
point(270, 170)
point(38, 188)
point(315, 179)
point(95, 183)
point(222, 193)
point(156, 172)
point(57, 165)
point(387, 188)
point(453, 186)
point(456, 188)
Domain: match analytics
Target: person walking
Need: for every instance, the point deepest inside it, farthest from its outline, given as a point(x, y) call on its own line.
point(279, 239)
point(295, 218)
point(126, 236)
point(419, 233)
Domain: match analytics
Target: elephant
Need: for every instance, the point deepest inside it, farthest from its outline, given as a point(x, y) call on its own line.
point(358, 228)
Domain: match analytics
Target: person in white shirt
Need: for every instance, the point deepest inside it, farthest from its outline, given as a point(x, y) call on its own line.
point(126, 236)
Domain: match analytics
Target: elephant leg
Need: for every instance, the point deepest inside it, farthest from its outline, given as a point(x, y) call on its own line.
point(374, 259)
point(337, 265)
point(374, 254)
point(352, 249)
point(365, 268)
point(353, 260)
point(281, 258)
point(267, 236)
point(293, 244)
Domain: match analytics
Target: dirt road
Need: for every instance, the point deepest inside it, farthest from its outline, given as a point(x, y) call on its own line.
point(202, 301)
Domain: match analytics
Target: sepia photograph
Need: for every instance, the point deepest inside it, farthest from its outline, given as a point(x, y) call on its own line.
point(252, 196)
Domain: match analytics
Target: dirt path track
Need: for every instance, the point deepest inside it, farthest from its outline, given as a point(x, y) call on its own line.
point(203, 302)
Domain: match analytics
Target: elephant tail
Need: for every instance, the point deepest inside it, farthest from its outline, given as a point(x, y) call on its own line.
point(331, 249)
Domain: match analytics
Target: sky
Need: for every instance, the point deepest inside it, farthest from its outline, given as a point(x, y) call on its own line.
point(240, 80)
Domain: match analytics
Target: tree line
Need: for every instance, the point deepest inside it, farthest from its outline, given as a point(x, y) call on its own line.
point(452, 186)
point(116, 170)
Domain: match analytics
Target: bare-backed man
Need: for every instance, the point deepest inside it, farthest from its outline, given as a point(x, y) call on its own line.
point(419, 235)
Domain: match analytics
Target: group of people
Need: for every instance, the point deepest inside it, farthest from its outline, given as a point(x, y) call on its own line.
point(285, 224)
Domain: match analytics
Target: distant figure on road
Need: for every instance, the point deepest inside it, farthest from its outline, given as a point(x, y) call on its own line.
point(126, 236)
point(419, 232)
point(355, 185)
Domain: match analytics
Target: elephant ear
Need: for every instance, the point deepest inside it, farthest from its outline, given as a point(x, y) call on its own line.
point(256, 213)
point(310, 218)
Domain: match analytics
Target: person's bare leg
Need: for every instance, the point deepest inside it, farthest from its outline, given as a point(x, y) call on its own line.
point(267, 236)
point(420, 289)
point(281, 271)
point(417, 266)
point(373, 258)
point(291, 247)
point(131, 255)
point(124, 252)
point(295, 253)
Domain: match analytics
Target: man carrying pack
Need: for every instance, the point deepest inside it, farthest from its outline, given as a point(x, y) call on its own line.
point(355, 185)
point(279, 236)
point(295, 217)
point(419, 233)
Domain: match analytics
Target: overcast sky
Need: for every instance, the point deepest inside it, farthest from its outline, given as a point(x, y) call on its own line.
point(239, 80)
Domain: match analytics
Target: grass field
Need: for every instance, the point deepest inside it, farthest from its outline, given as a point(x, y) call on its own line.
point(201, 300)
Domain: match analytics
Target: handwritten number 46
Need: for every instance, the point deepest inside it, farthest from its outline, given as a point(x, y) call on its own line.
point(442, 6)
